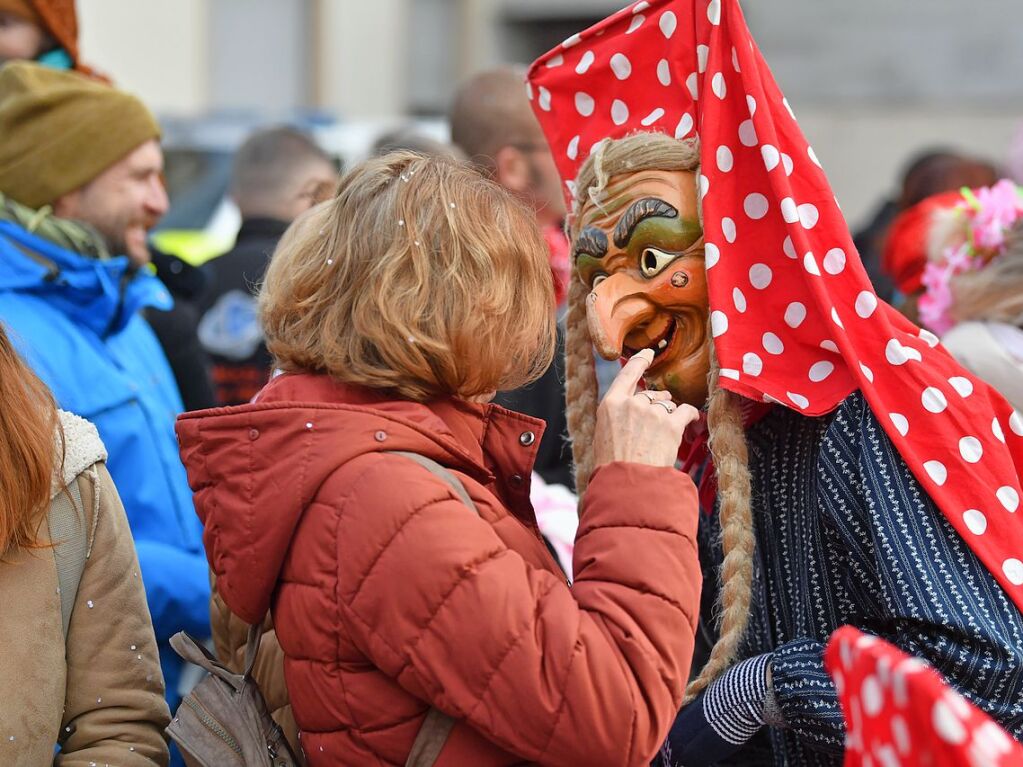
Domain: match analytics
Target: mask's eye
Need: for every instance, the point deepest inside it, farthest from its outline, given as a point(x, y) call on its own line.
point(597, 280)
point(653, 261)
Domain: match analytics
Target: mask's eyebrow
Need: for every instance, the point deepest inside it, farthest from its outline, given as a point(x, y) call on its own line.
point(591, 241)
point(648, 207)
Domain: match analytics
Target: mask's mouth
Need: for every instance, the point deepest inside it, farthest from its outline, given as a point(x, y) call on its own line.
point(660, 344)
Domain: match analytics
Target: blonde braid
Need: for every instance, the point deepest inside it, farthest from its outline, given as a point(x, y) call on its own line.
point(657, 151)
point(580, 384)
point(731, 460)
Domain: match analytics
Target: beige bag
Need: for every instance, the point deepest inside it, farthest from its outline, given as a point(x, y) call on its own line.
point(224, 721)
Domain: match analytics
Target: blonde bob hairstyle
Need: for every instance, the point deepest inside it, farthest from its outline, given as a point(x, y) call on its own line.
point(420, 278)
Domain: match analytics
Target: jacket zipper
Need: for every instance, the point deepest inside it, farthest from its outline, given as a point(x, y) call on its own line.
point(213, 725)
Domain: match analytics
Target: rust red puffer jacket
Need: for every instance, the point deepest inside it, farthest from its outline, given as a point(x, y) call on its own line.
point(390, 596)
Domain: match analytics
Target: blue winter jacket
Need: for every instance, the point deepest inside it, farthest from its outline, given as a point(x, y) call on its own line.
point(77, 322)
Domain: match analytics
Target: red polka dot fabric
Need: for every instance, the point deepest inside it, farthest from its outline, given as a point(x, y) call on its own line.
point(899, 711)
point(794, 318)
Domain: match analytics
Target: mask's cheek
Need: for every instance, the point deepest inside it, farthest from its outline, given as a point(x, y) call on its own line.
point(685, 377)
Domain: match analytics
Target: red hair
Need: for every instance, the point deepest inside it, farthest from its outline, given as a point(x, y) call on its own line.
point(28, 423)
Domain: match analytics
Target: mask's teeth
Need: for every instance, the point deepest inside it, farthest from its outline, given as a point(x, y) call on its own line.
point(663, 344)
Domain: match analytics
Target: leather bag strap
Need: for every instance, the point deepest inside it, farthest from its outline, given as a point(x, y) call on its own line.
point(437, 726)
point(439, 471)
point(430, 740)
point(252, 645)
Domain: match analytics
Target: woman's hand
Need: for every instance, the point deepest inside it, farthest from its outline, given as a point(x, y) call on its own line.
point(639, 426)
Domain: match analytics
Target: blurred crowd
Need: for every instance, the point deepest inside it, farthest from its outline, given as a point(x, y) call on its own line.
point(99, 324)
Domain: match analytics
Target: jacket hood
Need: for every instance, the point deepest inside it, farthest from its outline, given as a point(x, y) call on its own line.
point(80, 446)
point(255, 468)
point(101, 294)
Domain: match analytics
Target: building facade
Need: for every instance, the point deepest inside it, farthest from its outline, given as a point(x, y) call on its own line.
point(872, 81)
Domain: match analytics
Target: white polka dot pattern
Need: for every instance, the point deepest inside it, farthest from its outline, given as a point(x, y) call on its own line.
point(584, 104)
point(786, 285)
point(621, 66)
point(900, 711)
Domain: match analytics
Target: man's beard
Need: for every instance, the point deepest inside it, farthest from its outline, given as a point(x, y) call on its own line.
point(122, 238)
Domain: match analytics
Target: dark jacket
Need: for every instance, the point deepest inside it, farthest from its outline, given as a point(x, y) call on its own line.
point(229, 327)
point(390, 596)
point(177, 330)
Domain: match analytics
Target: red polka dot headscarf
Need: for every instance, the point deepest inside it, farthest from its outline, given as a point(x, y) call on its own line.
point(898, 710)
point(794, 318)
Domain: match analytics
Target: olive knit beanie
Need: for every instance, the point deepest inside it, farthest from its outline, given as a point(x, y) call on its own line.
point(59, 130)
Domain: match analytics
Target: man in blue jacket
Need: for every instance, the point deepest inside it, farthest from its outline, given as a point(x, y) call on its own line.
point(80, 186)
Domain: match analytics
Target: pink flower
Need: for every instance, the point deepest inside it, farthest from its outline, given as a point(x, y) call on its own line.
point(936, 301)
point(998, 207)
point(990, 213)
point(959, 259)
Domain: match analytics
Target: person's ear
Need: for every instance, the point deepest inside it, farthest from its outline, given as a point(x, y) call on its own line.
point(511, 169)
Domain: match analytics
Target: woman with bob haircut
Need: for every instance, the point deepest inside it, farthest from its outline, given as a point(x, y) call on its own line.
point(416, 604)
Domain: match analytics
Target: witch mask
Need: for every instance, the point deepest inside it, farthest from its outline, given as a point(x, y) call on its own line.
point(794, 318)
point(640, 251)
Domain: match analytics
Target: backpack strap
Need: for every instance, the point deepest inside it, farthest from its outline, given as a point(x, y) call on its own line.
point(71, 546)
point(436, 728)
point(439, 471)
point(196, 653)
point(430, 740)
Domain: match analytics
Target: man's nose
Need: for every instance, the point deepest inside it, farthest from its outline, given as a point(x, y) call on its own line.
point(613, 309)
point(157, 202)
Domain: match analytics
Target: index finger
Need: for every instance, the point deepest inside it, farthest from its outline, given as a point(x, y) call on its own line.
point(628, 378)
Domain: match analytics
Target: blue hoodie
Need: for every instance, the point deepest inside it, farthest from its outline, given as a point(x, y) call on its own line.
point(77, 322)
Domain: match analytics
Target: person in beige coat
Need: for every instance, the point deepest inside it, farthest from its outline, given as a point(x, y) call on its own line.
point(85, 675)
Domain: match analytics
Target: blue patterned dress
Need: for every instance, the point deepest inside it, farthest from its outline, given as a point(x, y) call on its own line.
point(846, 535)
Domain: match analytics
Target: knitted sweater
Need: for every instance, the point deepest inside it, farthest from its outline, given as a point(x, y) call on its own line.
point(846, 535)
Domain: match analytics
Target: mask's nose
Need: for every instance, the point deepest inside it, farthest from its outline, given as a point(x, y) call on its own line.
point(613, 309)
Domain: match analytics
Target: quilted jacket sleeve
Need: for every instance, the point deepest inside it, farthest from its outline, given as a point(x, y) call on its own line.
point(592, 674)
